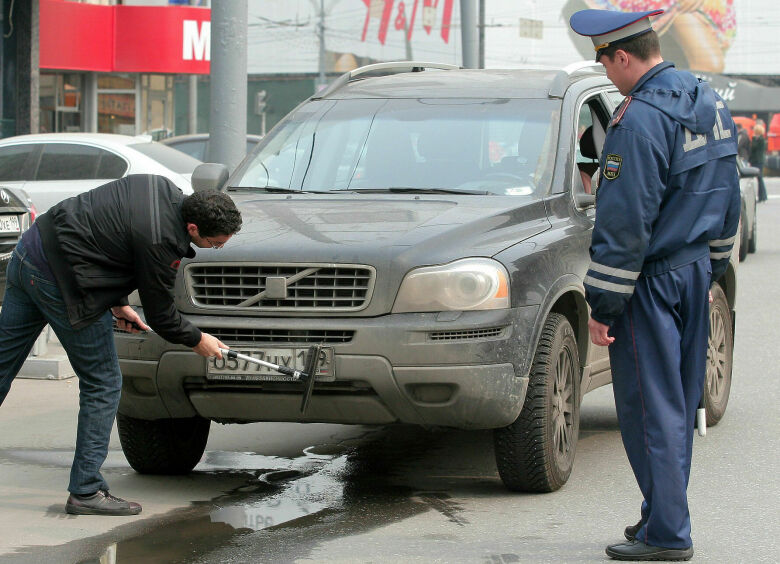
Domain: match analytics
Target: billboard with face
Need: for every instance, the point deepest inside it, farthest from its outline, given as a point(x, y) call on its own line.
point(710, 36)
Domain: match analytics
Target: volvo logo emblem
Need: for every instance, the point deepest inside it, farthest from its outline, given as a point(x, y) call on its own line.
point(5, 197)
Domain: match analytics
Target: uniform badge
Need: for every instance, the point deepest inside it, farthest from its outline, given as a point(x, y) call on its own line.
point(612, 166)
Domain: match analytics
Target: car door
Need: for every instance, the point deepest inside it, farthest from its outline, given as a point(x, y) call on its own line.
point(592, 121)
point(67, 169)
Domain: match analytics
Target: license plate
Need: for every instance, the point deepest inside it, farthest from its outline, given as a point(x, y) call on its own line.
point(243, 370)
point(9, 224)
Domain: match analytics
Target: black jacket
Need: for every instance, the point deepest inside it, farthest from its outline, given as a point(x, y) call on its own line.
point(125, 235)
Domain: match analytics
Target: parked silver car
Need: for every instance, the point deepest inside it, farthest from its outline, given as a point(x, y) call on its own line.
point(53, 166)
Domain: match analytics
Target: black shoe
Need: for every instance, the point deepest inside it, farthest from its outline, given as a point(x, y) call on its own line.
point(100, 503)
point(631, 531)
point(639, 551)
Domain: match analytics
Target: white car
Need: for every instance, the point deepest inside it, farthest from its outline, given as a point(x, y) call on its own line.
point(53, 166)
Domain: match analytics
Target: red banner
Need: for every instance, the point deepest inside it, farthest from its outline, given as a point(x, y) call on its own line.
point(148, 39)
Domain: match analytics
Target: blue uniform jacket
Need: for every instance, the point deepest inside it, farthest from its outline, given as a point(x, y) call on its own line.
point(668, 181)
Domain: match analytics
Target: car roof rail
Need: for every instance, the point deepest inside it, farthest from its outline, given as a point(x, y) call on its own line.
point(390, 67)
point(561, 81)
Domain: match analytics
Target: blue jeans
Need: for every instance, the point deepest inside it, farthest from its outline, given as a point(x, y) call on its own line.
point(31, 301)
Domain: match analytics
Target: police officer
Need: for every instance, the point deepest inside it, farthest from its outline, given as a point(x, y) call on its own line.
point(667, 213)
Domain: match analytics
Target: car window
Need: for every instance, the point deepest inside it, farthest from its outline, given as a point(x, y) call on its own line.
point(12, 161)
point(195, 148)
point(502, 146)
point(167, 156)
point(111, 166)
point(68, 161)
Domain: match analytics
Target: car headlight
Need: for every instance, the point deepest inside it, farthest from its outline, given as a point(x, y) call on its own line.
point(468, 284)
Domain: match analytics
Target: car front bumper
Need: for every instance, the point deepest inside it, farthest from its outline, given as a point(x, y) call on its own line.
point(435, 369)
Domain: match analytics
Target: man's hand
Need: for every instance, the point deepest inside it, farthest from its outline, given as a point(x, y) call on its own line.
point(598, 333)
point(209, 346)
point(128, 320)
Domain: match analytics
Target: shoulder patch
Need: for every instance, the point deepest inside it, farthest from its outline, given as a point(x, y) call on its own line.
point(612, 166)
point(621, 109)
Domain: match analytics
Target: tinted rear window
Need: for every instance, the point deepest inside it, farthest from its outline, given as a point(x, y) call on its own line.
point(167, 156)
point(12, 160)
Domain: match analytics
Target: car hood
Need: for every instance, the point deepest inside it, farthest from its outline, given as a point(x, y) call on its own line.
point(369, 229)
point(392, 233)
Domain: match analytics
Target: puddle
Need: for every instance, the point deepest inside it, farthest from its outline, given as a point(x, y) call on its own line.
point(285, 508)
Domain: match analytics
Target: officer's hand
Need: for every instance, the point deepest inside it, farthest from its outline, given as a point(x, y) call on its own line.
point(710, 296)
point(209, 346)
point(598, 333)
point(128, 320)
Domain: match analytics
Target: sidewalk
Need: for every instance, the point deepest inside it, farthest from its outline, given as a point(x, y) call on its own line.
point(47, 361)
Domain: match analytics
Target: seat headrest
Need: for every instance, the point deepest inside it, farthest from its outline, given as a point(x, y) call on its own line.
point(587, 145)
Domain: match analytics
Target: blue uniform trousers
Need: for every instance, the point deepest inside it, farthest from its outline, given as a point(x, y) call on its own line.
point(658, 363)
point(31, 301)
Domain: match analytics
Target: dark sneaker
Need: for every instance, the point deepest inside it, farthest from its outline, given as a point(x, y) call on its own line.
point(100, 503)
point(640, 552)
point(631, 531)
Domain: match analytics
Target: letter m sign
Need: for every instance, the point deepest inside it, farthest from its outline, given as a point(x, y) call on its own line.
point(196, 43)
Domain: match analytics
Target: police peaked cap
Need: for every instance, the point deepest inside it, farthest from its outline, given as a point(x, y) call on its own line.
point(606, 27)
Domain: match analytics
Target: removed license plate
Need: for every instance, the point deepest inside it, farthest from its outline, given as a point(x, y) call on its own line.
point(9, 224)
point(237, 369)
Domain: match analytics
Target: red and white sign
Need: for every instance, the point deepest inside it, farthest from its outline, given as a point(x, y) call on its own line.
point(149, 39)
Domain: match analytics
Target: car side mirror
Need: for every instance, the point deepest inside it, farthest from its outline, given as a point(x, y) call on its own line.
point(749, 172)
point(209, 176)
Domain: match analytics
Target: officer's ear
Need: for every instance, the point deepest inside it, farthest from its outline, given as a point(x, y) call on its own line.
point(621, 57)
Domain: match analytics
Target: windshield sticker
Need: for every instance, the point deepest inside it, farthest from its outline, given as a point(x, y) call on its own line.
point(612, 166)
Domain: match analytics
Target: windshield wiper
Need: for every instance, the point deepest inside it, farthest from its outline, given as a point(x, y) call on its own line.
point(275, 190)
point(409, 190)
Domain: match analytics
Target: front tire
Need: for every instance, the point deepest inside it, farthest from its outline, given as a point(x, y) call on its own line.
point(720, 353)
point(163, 446)
point(536, 452)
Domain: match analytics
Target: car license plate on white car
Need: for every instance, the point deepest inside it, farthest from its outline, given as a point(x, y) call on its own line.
point(9, 224)
point(243, 370)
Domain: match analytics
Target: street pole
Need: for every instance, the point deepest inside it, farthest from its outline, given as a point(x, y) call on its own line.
point(192, 85)
point(468, 30)
point(227, 116)
point(482, 34)
point(321, 81)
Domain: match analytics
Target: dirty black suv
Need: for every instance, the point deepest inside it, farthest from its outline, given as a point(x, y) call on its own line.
point(429, 226)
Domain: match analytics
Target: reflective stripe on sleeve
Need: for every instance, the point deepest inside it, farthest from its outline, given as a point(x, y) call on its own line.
point(612, 287)
point(611, 271)
point(718, 256)
point(723, 242)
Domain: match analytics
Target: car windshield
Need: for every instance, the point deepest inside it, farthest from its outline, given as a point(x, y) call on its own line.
point(167, 156)
point(499, 146)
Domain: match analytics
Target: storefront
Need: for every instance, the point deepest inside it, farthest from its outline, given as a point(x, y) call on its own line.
point(111, 69)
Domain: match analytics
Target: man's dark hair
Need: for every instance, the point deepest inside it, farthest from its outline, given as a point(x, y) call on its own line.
point(213, 212)
point(642, 47)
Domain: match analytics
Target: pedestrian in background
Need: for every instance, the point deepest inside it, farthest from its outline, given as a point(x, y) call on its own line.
point(667, 212)
point(758, 158)
point(76, 266)
point(743, 143)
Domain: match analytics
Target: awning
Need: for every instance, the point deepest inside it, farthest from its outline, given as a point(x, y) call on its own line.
point(743, 95)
